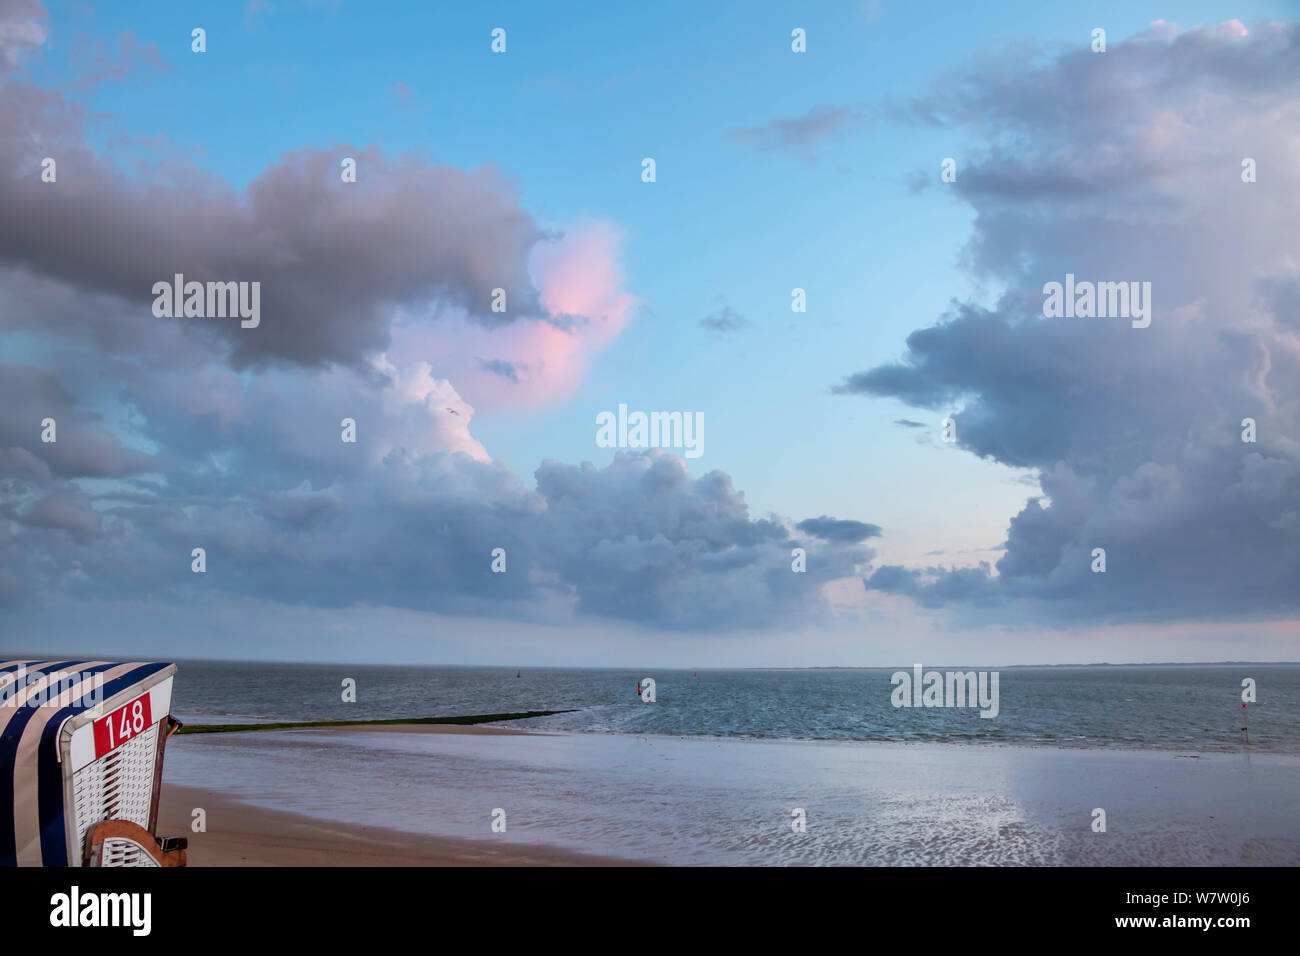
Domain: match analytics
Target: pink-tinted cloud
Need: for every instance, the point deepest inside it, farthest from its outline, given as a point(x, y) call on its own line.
point(535, 359)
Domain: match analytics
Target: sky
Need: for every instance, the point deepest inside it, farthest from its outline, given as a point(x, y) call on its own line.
point(823, 440)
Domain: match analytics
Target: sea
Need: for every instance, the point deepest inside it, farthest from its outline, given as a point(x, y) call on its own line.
point(1176, 706)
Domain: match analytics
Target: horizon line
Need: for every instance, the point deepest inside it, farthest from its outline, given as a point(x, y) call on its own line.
point(7, 655)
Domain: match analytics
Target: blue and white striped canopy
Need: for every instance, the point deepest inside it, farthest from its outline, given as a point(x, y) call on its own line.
point(36, 699)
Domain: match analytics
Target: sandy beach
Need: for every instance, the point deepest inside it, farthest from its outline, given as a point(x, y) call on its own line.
point(249, 835)
point(246, 835)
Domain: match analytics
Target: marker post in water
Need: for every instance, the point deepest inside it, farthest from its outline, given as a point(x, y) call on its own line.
point(1245, 723)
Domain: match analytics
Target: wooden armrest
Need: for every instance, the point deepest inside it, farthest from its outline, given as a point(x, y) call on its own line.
point(114, 839)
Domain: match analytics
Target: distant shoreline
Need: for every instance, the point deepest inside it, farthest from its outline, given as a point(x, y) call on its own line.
point(47, 656)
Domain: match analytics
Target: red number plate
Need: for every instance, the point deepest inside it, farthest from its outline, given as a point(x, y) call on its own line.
point(121, 725)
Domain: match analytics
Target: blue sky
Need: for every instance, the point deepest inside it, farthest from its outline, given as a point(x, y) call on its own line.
point(566, 115)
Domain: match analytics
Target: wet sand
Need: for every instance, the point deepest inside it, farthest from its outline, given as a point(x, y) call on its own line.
point(427, 795)
point(239, 834)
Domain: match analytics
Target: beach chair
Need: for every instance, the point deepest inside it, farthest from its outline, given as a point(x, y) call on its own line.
point(81, 756)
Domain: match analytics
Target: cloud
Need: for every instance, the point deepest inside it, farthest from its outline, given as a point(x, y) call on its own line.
point(332, 259)
point(643, 540)
point(1134, 434)
point(21, 31)
point(407, 517)
point(799, 133)
point(408, 264)
point(83, 447)
point(832, 530)
point(938, 587)
point(253, 468)
point(723, 321)
point(507, 370)
point(582, 309)
point(335, 260)
point(101, 61)
point(182, 433)
point(67, 509)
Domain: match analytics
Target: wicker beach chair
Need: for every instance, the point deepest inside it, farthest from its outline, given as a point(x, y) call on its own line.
point(81, 756)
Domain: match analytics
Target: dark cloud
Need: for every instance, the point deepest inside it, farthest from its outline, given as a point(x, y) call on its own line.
point(832, 529)
point(333, 258)
point(1134, 434)
point(938, 587)
point(507, 370)
point(65, 509)
point(643, 540)
point(83, 447)
point(301, 508)
point(639, 541)
point(724, 320)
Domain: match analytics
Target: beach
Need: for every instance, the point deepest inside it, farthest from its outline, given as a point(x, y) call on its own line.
point(429, 796)
point(256, 836)
point(252, 835)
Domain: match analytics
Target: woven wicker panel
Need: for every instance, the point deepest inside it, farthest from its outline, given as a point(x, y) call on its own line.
point(119, 852)
point(117, 786)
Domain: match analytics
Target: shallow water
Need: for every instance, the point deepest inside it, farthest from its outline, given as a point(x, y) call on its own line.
point(725, 801)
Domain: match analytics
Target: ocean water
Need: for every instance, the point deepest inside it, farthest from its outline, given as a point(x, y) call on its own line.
point(1193, 707)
